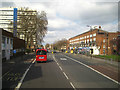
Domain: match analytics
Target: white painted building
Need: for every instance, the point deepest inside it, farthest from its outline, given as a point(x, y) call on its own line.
point(0, 59)
point(7, 44)
point(94, 50)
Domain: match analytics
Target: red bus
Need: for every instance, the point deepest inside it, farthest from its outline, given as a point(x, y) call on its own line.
point(41, 55)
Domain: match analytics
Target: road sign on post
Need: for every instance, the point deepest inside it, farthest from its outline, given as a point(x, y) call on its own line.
point(15, 23)
point(14, 51)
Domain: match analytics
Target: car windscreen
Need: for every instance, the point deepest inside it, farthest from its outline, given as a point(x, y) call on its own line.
point(41, 52)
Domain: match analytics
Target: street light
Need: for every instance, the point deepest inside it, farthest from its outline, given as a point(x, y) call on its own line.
point(90, 27)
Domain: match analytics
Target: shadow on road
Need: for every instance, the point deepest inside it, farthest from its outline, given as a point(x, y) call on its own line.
point(34, 73)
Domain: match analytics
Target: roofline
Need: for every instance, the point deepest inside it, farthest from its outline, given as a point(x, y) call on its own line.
point(86, 32)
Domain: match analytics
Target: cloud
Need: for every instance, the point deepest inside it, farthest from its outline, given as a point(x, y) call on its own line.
point(90, 12)
point(68, 18)
point(111, 27)
point(59, 23)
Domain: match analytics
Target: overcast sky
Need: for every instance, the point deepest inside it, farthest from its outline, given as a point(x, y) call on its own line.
point(67, 18)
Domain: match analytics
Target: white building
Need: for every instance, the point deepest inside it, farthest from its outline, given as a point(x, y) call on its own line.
point(94, 50)
point(7, 44)
point(0, 58)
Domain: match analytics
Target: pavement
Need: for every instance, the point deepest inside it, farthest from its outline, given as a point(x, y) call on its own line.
point(8, 64)
point(108, 61)
point(12, 70)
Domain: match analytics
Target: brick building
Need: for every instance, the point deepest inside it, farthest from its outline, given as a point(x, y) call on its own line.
point(96, 41)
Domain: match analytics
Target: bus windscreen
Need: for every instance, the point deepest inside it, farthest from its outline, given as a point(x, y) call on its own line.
point(41, 52)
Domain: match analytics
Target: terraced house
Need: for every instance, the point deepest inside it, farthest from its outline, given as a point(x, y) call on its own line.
point(96, 41)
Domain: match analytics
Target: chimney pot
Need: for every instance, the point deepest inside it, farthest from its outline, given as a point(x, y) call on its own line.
point(99, 27)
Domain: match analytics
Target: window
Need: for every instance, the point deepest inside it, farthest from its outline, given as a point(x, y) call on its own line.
point(104, 40)
point(3, 42)
point(103, 51)
point(41, 52)
point(91, 35)
point(114, 45)
point(103, 46)
point(114, 38)
point(87, 40)
point(94, 39)
point(11, 42)
point(94, 34)
point(87, 36)
point(94, 44)
point(7, 40)
point(90, 40)
point(3, 39)
point(80, 41)
point(3, 53)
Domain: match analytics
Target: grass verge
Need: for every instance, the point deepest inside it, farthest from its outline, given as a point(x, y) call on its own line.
point(113, 57)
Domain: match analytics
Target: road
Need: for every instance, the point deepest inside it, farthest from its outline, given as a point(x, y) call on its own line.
point(60, 71)
point(81, 76)
point(45, 75)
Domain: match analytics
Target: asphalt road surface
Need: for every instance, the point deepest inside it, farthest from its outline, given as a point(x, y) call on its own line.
point(81, 76)
point(60, 71)
point(45, 75)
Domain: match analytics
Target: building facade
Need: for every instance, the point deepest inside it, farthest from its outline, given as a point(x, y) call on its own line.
point(0, 58)
point(96, 41)
point(11, 46)
point(7, 44)
point(9, 17)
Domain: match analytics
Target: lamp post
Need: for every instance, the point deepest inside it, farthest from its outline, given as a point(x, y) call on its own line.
point(90, 27)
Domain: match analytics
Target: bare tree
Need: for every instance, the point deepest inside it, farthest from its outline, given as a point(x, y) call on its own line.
point(31, 25)
point(60, 43)
point(47, 45)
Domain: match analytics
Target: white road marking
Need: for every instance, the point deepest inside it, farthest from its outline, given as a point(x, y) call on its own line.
point(58, 64)
point(34, 61)
point(54, 58)
point(94, 70)
point(60, 68)
point(5, 74)
point(65, 75)
point(20, 83)
point(63, 59)
point(72, 85)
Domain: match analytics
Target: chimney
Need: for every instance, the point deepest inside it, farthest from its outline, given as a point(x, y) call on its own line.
point(99, 27)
